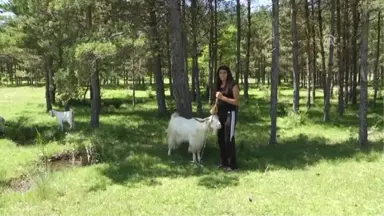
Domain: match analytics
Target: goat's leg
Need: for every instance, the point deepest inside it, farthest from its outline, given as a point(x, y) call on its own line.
point(198, 157)
point(70, 124)
point(61, 126)
point(194, 157)
point(171, 143)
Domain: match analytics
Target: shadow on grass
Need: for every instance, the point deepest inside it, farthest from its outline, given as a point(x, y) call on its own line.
point(218, 181)
point(134, 147)
point(22, 132)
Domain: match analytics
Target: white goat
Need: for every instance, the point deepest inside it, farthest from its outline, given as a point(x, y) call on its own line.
point(61, 117)
point(2, 124)
point(194, 130)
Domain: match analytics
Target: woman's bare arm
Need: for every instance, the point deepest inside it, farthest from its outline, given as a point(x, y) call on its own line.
point(235, 100)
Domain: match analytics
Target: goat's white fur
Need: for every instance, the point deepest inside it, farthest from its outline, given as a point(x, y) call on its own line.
point(61, 117)
point(193, 130)
point(2, 124)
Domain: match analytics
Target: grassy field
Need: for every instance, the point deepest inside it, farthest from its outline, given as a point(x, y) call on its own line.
point(316, 169)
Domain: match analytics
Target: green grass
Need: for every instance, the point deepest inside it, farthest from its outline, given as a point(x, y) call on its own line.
point(316, 169)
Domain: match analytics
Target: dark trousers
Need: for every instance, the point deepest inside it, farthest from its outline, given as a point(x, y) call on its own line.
point(226, 139)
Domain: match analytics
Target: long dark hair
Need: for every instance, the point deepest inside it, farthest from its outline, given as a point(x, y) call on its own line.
point(230, 81)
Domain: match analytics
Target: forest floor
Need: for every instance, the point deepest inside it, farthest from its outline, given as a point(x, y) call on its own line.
point(316, 168)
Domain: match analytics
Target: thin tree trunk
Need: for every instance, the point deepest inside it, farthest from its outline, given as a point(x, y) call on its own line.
point(51, 82)
point(160, 95)
point(185, 47)
point(346, 52)
point(363, 132)
point(275, 71)
point(354, 51)
point(295, 59)
point(133, 83)
point(48, 103)
point(169, 59)
point(238, 39)
point(327, 105)
point(314, 52)
point(320, 20)
point(376, 70)
point(340, 60)
point(246, 85)
point(195, 64)
point(96, 98)
point(309, 54)
point(215, 47)
point(211, 53)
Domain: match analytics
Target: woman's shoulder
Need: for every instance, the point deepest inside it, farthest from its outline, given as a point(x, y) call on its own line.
point(235, 86)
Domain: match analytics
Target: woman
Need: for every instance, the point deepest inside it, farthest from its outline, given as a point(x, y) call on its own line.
point(227, 95)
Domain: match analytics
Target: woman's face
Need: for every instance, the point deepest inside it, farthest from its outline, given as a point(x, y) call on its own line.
point(223, 75)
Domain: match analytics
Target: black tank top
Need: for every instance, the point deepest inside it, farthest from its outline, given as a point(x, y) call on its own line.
point(224, 107)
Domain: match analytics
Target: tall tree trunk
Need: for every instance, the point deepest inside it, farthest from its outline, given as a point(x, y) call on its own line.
point(314, 52)
point(275, 71)
point(238, 39)
point(169, 59)
point(185, 47)
point(354, 51)
point(133, 83)
point(195, 62)
point(327, 105)
point(246, 85)
point(376, 70)
point(180, 76)
point(363, 132)
point(51, 82)
point(96, 98)
point(295, 59)
point(324, 70)
point(309, 54)
point(215, 47)
point(211, 53)
point(156, 61)
point(346, 52)
point(48, 103)
point(340, 60)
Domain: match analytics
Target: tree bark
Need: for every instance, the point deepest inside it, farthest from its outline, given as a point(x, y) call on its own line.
point(295, 59)
point(376, 70)
point(96, 98)
point(354, 51)
point(314, 52)
point(211, 54)
point(238, 39)
point(169, 59)
point(180, 77)
point(246, 85)
point(309, 54)
point(324, 70)
point(156, 61)
point(275, 71)
point(195, 62)
point(346, 52)
point(363, 132)
point(327, 105)
point(340, 60)
point(48, 103)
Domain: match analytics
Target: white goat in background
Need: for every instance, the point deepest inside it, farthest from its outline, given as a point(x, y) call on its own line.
point(194, 130)
point(61, 117)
